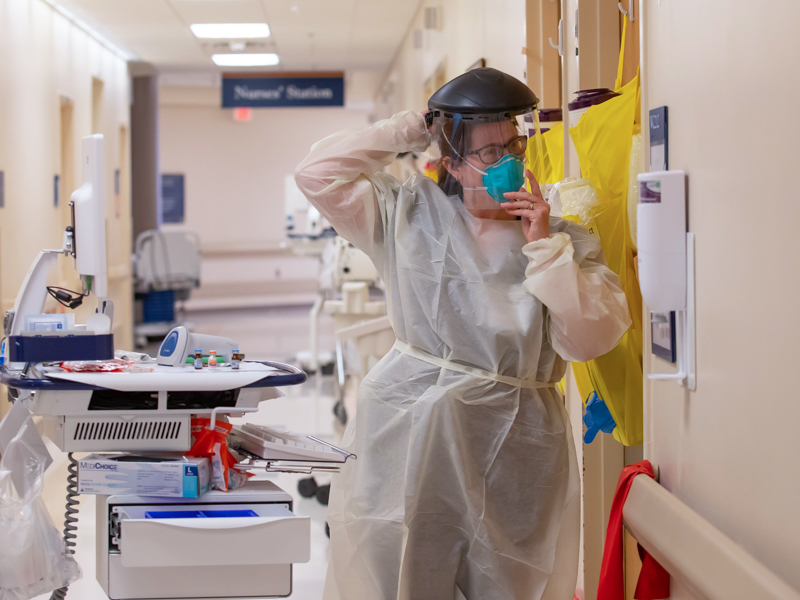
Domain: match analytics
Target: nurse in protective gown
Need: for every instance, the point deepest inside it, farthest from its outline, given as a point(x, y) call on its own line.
point(466, 483)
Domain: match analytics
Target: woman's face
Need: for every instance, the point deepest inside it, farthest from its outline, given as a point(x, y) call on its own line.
point(493, 138)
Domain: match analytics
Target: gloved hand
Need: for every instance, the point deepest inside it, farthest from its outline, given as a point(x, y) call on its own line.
point(597, 418)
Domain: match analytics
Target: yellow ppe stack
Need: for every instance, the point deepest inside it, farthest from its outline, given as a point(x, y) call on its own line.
point(602, 140)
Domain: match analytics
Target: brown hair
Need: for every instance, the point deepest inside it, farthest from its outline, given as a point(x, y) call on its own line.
point(452, 146)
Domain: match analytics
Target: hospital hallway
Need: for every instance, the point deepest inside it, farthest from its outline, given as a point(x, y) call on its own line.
point(278, 334)
point(518, 275)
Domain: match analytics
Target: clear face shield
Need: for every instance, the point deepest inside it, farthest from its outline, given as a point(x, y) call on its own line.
point(479, 156)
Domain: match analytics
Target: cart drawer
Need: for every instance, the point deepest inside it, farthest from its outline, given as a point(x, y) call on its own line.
point(265, 581)
point(212, 535)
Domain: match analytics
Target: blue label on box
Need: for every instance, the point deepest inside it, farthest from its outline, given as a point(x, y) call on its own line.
point(189, 487)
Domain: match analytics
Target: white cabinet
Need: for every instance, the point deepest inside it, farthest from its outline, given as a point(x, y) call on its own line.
point(236, 544)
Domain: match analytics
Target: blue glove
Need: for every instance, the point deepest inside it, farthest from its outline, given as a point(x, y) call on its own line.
point(597, 418)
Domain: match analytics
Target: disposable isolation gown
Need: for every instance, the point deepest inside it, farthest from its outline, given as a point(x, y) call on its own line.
point(466, 473)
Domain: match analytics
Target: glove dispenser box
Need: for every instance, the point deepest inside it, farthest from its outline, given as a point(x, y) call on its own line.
point(239, 544)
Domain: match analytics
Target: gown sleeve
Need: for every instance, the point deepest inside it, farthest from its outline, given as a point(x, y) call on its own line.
point(568, 274)
point(342, 175)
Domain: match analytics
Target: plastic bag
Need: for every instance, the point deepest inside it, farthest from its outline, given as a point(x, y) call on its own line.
point(214, 445)
point(115, 365)
point(33, 556)
point(579, 198)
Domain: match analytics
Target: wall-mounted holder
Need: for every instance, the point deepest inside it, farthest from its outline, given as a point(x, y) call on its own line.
point(685, 330)
point(666, 262)
point(560, 45)
point(629, 12)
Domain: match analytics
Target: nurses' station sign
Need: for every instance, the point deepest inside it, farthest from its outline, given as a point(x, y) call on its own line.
point(266, 90)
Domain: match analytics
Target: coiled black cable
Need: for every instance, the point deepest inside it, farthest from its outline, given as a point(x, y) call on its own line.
point(66, 297)
point(70, 519)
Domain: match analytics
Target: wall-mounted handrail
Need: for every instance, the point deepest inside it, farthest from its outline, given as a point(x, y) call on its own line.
point(695, 552)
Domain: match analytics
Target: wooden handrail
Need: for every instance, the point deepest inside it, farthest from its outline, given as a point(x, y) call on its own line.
point(695, 552)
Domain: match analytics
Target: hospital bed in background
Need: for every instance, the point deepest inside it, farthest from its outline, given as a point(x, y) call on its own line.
point(166, 267)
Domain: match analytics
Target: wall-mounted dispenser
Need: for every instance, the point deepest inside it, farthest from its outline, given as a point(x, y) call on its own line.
point(666, 262)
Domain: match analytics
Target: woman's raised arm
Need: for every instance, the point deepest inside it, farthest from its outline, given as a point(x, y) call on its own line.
point(342, 175)
point(587, 307)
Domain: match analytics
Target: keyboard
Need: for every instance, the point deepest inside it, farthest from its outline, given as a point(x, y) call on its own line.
point(276, 443)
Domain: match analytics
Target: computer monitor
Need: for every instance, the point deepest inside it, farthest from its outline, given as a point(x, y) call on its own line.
point(89, 218)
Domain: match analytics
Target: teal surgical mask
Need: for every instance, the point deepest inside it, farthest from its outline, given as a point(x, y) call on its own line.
point(506, 175)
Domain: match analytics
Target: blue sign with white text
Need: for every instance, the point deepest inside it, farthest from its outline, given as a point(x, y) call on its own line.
point(267, 92)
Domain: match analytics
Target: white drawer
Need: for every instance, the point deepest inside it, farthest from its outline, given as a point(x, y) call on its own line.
point(161, 535)
point(268, 581)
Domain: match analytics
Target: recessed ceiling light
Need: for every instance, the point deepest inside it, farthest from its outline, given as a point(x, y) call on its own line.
point(230, 31)
point(245, 60)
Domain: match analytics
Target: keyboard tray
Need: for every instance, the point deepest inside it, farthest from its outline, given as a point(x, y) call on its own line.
point(277, 444)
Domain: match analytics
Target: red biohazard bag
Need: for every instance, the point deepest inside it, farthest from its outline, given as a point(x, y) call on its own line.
point(213, 443)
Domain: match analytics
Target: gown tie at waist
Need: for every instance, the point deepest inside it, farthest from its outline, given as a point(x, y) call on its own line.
point(529, 384)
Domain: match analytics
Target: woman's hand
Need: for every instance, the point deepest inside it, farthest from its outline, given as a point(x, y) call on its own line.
point(533, 209)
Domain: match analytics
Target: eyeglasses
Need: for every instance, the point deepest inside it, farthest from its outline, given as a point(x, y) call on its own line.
point(491, 153)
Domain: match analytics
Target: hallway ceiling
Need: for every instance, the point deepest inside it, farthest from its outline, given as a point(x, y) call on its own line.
point(356, 36)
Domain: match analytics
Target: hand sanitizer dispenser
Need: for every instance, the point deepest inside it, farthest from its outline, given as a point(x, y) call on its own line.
point(661, 239)
point(666, 263)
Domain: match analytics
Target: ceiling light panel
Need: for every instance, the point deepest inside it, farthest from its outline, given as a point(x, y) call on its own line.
point(245, 60)
point(230, 31)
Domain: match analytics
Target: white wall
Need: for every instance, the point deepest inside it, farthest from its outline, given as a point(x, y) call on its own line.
point(730, 449)
point(235, 184)
point(43, 58)
point(471, 29)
